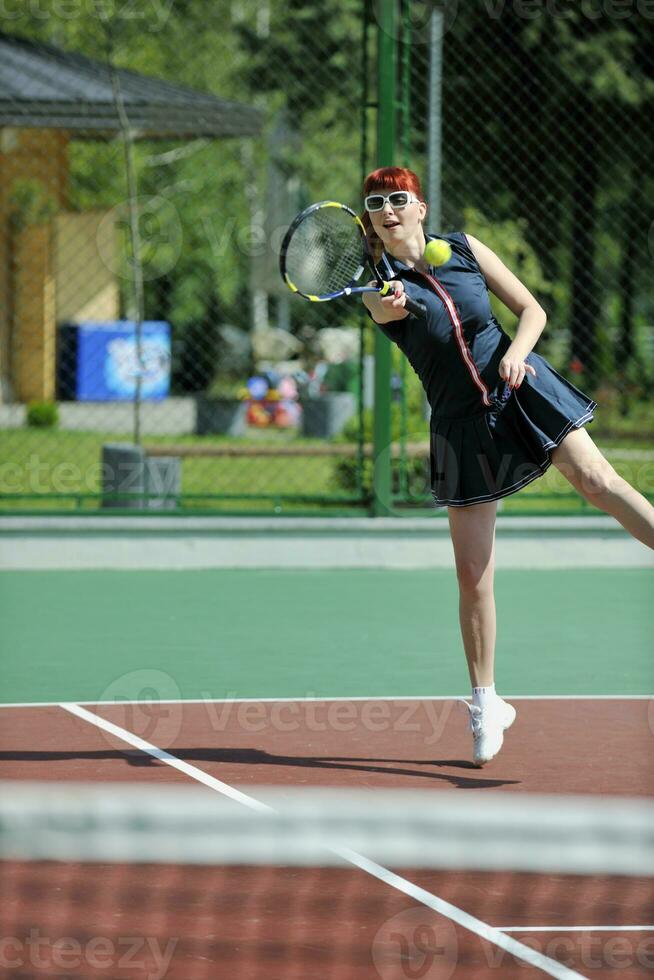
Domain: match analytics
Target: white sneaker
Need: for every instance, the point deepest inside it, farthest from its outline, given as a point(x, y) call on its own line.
point(488, 726)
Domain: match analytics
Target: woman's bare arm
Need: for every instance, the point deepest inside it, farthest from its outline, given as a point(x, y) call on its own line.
point(514, 294)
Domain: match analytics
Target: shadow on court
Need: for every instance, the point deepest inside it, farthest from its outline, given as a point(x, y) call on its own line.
point(257, 757)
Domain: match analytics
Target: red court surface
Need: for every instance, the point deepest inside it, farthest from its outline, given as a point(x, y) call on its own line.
point(244, 924)
point(555, 746)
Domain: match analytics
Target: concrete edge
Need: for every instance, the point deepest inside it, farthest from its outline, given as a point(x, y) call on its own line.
point(384, 526)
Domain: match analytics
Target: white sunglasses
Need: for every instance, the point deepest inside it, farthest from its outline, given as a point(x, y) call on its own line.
point(396, 199)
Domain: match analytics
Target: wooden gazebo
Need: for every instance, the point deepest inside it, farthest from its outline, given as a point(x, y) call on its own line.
point(47, 98)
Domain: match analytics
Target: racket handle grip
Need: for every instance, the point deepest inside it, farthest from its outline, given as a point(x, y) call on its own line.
point(416, 307)
point(412, 305)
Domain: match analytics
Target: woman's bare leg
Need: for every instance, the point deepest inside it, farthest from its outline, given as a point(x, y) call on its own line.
point(591, 474)
point(473, 538)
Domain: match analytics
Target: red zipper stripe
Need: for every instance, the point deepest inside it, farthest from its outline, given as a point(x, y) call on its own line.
point(458, 333)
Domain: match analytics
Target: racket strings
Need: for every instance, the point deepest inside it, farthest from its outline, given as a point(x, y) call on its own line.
point(325, 253)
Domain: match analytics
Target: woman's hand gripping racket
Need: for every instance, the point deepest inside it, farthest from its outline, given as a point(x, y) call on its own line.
point(325, 253)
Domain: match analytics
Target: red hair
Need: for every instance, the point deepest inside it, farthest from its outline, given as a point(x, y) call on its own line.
point(387, 179)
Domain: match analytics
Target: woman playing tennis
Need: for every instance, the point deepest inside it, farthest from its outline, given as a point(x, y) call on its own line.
point(500, 413)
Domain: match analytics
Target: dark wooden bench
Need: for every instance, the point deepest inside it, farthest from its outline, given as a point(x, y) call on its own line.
point(345, 449)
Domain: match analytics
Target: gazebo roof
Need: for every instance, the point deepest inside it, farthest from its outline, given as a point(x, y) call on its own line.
point(45, 87)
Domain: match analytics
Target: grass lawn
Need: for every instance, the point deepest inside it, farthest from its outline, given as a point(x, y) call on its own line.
point(50, 462)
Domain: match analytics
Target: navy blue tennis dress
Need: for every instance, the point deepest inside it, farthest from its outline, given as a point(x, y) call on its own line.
point(486, 440)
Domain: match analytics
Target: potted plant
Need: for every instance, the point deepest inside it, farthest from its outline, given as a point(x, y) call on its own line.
point(222, 409)
point(329, 400)
point(326, 412)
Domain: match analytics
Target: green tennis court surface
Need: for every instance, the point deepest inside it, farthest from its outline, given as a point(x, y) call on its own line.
point(326, 633)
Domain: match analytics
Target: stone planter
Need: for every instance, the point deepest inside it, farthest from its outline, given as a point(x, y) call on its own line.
point(221, 416)
point(326, 415)
point(127, 472)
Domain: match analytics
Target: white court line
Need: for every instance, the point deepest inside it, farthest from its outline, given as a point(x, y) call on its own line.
point(576, 928)
point(452, 912)
point(370, 697)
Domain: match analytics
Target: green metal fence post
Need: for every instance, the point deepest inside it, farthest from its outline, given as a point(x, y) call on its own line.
point(386, 135)
point(405, 155)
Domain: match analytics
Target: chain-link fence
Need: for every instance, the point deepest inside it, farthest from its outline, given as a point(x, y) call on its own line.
point(533, 126)
point(142, 211)
point(144, 328)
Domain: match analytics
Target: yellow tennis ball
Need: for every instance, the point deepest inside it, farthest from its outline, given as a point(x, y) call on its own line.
point(438, 252)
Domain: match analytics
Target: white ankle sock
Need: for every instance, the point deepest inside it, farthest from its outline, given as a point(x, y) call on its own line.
point(481, 696)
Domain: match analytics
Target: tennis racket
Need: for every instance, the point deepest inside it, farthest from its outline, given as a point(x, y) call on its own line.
point(325, 253)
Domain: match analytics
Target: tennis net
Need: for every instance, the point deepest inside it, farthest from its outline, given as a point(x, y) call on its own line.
point(129, 882)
